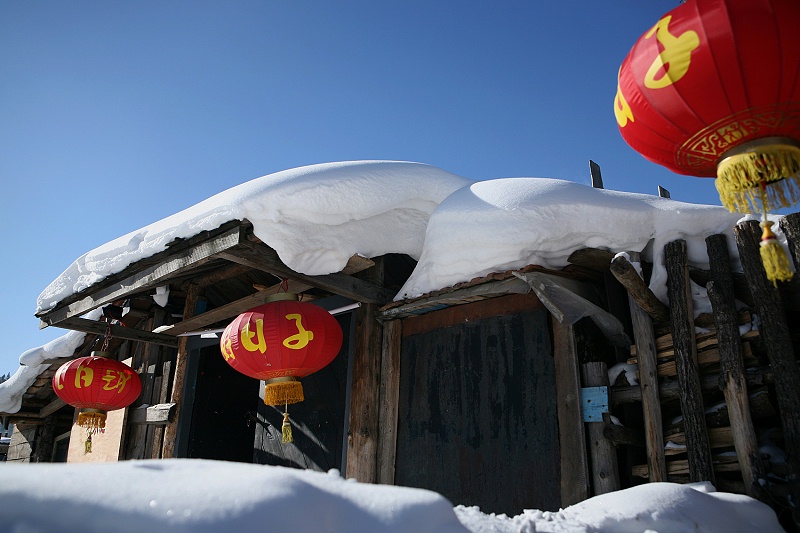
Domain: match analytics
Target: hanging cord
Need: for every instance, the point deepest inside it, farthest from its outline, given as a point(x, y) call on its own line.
point(284, 286)
point(107, 338)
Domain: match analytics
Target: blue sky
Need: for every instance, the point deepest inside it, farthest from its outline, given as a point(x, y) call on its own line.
point(115, 114)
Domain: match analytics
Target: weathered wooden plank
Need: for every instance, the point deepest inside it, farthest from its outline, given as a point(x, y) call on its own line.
point(148, 278)
point(389, 400)
point(262, 257)
point(120, 332)
point(637, 289)
point(574, 463)
point(603, 454)
point(777, 339)
point(362, 435)
point(790, 225)
point(682, 326)
point(52, 407)
point(171, 431)
point(594, 173)
point(475, 293)
point(158, 415)
point(593, 258)
point(648, 382)
point(229, 310)
point(721, 294)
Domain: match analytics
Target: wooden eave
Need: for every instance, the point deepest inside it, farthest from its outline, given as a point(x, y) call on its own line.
point(228, 251)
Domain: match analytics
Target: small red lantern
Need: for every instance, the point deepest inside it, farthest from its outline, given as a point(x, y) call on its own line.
point(713, 90)
point(279, 342)
point(96, 384)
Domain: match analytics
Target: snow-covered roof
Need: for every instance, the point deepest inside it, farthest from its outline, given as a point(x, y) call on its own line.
point(317, 217)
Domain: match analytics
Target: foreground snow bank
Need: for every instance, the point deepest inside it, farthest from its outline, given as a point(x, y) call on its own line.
point(197, 495)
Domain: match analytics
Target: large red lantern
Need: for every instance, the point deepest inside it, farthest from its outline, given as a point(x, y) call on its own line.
point(713, 90)
point(96, 384)
point(279, 342)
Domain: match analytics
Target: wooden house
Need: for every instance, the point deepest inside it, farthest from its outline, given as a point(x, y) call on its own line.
point(485, 391)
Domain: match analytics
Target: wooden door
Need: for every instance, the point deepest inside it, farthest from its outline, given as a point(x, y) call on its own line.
point(477, 416)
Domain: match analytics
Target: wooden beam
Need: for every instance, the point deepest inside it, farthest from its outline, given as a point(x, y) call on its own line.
point(627, 275)
point(592, 258)
point(262, 257)
point(603, 454)
point(52, 407)
point(156, 415)
point(121, 332)
point(490, 289)
point(229, 310)
point(151, 277)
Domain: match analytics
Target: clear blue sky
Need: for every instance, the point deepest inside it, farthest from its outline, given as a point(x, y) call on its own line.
point(116, 114)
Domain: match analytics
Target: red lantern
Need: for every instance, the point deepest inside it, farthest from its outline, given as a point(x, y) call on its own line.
point(713, 89)
point(96, 384)
point(279, 342)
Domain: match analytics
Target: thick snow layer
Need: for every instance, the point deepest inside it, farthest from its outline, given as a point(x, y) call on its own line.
point(176, 495)
point(316, 218)
point(508, 223)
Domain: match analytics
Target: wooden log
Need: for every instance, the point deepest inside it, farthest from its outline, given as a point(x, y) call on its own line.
point(592, 258)
point(644, 338)
point(617, 435)
point(637, 289)
point(364, 424)
point(734, 387)
point(790, 225)
point(389, 400)
point(691, 397)
point(605, 471)
point(571, 435)
point(777, 340)
point(157, 415)
point(181, 360)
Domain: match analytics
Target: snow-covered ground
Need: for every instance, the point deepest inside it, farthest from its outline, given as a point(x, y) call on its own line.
point(193, 495)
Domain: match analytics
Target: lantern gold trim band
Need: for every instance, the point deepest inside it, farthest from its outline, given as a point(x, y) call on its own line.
point(283, 391)
point(759, 176)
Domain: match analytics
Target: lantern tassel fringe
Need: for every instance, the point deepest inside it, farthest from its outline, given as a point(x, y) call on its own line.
point(739, 179)
point(286, 429)
point(283, 392)
point(92, 421)
point(773, 256)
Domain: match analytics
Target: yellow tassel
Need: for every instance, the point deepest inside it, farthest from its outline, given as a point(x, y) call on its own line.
point(773, 256)
point(283, 392)
point(92, 419)
point(739, 177)
point(286, 429)
point(88, 444)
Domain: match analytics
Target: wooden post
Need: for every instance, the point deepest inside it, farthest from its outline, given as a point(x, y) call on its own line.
point(778, 342)
point(732, 380)
point(389, 400)
point(571, 436)
point(682, 324)
point(662, 192)
point(648, 382)
point(790, 225)
point(605, 471)
point(171, 431)
point(362, 433)
point(594, 172)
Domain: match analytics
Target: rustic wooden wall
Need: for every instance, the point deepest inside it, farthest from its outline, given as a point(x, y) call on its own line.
point(477, 415)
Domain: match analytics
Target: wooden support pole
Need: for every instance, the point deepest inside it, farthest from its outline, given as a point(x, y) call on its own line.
point(627, 275)
point(571, 435)
point(605, 471)
point(682, 325)
point(790, 225)
point(648, 382)
point(181, 360)
point(594, 172)
point(732, 381)
point(389, 400)
point(778, 342)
